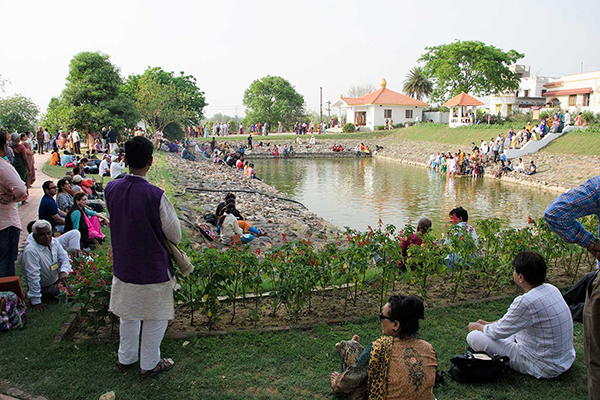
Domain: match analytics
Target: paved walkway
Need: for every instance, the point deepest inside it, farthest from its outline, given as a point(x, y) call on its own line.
point(29, 211)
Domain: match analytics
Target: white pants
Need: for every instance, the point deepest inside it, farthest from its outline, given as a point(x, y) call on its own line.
point(503, 347)
point(113, 147)
point(70, 241)
point(129, 346)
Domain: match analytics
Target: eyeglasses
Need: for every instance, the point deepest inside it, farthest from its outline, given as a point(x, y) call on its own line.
point(52, 187)
point(382, 317)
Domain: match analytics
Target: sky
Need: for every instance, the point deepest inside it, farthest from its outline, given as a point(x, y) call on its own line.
point(227, 44)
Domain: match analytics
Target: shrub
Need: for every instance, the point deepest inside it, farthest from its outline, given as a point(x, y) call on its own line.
point(379, 127)
point(399, 125)
point(348, 127)
point(588, 117)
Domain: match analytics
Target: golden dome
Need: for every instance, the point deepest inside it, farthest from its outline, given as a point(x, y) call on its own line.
point(383, 83)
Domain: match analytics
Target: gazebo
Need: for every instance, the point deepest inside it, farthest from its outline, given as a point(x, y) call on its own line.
point(459, 117)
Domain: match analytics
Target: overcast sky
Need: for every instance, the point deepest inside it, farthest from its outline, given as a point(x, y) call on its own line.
point(334, 44)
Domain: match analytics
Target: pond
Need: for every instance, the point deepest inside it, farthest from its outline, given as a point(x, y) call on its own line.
point(358, 192)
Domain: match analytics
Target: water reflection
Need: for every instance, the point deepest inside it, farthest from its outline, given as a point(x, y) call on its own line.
point(358, 192)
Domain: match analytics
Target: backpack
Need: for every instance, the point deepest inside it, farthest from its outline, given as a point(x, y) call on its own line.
point(478, 367)
point(207, 232)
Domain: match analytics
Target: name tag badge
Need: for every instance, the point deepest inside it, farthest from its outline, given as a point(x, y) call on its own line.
point(54, 267)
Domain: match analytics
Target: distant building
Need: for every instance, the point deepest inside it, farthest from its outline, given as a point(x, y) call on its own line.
point(574, 92)
point(374, 108)
point(529, 95)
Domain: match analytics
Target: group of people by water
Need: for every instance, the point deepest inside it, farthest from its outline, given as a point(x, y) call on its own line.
point(536, 333)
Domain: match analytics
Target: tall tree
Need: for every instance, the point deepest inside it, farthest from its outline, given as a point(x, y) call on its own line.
point(272, 99)
point(416, 84)
point(18, 114)
point(93, 96)
point(470, 66)
point(361, 90)
point(163, 98)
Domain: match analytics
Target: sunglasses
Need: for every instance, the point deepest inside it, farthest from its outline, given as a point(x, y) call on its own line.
point(382, 317)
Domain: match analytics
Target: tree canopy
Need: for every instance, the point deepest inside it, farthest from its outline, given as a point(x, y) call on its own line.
point(18, 114)
point(272, 99)
point(162, 98)
point(93, 97)
point(416, 84)
point(469, 66)
point(361, 90)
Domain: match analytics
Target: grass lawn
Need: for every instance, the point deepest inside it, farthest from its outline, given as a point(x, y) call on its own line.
point(294, 364)
point(292, 137)
point(580, 143)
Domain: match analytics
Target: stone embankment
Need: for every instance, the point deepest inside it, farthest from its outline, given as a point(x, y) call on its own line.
point(262, 207)
point(556, 172)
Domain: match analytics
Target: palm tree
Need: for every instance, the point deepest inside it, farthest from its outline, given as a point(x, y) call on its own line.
point(416, 84)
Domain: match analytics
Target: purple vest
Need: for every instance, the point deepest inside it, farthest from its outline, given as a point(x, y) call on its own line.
point(139, 255)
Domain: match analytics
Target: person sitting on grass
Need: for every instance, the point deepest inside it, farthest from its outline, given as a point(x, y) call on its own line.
point(48, 209)
point(423, 226)
point(84, 220)
point(64, 199)
point(66, 158)
point(70, 241)
point(531, 169)
point(397, 365)
point(45, 263)
point(55, 158)
point(536, 332)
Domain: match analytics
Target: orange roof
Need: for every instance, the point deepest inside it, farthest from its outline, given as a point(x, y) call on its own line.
point(463, 99)
point(566, 92)
point(551, 84)
point(384, 96)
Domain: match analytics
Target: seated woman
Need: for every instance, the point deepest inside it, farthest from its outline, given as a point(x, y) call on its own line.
point(84, 220)
point(537, 330)
point(397, 365)
point(64, 199)
point(229, 227)
point(55, 158)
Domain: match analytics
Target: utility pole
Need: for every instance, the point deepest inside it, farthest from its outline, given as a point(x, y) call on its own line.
point(582, 66)
point(328, 110)
point(321, 104)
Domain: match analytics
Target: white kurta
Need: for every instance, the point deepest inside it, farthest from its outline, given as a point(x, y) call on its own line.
point(153, 301)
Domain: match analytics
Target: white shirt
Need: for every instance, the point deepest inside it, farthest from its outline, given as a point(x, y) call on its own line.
point(104, 167)
point(116, 168)
point(75, 137)
point(543, 327)
point(230, 227)
point(470, 229)
point(42, 266)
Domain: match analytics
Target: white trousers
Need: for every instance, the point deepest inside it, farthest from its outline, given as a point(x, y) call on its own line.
point(70, 241)
point(129, 346)
point(113, 147)
point(503, 347)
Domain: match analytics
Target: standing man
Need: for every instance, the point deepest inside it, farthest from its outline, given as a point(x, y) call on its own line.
point(143, 276)
point(112, 140)
point(12, 190)
point(250, 142)
point(103, 136)
point(40, 140)
point(562, 217)
point(76, 141)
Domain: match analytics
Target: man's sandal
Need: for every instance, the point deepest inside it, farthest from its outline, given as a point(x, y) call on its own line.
point(164, 364)
point(122, 367)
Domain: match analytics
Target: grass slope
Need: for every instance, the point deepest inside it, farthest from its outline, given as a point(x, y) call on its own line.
point(287, 365)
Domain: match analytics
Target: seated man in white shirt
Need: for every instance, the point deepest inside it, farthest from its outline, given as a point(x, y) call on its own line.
point(104, 169)
point(116, 167)
point(45, 263)
point(536, 332)
point(70, 241)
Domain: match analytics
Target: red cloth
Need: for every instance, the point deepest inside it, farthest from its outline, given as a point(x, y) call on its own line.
point(413, 239)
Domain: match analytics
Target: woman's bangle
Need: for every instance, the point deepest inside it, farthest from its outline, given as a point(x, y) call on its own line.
point(592, 245)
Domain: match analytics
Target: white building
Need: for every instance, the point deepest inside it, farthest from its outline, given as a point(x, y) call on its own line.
point(374, 108)
point(530, 93)
point(574, 92)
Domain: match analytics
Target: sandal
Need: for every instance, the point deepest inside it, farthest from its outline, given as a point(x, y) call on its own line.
point(122, 367)
point(164, 364)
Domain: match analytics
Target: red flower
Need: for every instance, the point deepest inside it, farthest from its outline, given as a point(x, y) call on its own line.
point(283, 237)
point(257, 252)
point(380, 223)
point(530, 220)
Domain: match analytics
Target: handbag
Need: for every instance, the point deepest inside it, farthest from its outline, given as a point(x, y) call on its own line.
point(236, 240)
point(179, 258)
point(478, 367)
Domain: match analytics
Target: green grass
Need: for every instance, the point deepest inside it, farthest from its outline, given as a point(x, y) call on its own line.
point(294, 364)
point(292, 137)
point(583, 143)
point(441, 133)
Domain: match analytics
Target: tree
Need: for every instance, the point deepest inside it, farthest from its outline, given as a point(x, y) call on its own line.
point(361, 90)
point(56, 115)
point(18, 114)
point(470, 66)
point(163, 98)
point(416, 84)
point(93, 97)
point(3, 82)
point(272, 99)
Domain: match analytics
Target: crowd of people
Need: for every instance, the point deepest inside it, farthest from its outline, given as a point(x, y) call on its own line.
point(536, 332)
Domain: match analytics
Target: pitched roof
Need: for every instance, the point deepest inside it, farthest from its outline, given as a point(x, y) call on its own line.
point(552, 84)
point(565, 92)
point(463, 99)
point(384, 96)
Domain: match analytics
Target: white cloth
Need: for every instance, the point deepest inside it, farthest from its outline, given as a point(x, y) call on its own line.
point(70, 241)
point(153, 301)
point(104, 167)
point(76, 137)
point(113, 147)
point(539, 327)
point(116, 168)
point(470, 229)
point(41, 267)
point(230, 227)
point(129, 344)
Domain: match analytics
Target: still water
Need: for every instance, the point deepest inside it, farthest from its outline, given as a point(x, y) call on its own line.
point(358, 192)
